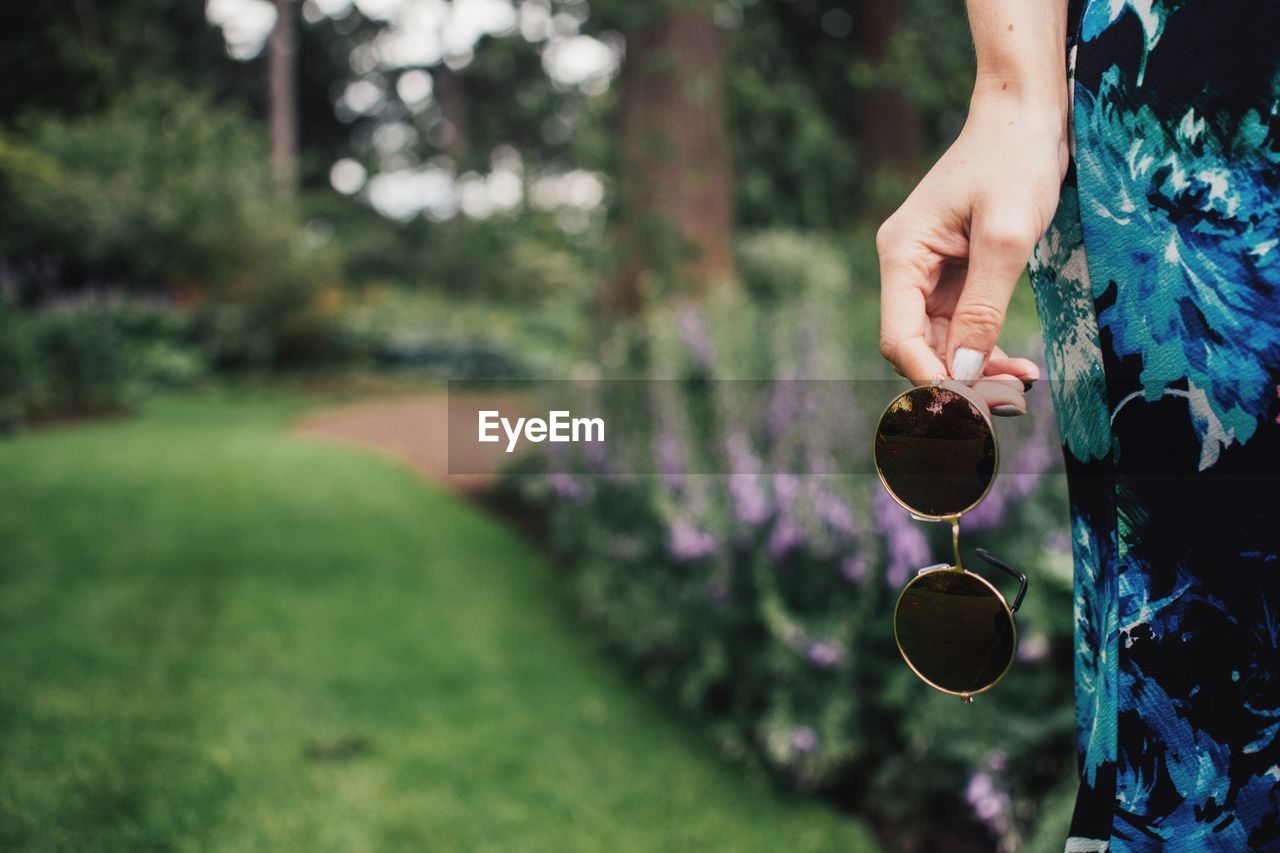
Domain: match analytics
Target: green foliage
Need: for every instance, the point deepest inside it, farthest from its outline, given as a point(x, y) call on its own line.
point(162, 192)
point(794, 161)
point(18, 367)
point(451, 338)
point(627, 16)
point(91, 355)
point(519, 260)
point(70, 58)
point(511, 260)
point(83, 368)
point(785, 265)
point(152, 192)
point(931, 60)
point(798, 116)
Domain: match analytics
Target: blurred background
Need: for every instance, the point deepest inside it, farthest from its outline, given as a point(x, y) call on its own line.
point(235, 231)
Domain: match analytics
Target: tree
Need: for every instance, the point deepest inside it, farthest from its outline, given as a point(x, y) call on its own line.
point(675, 178)
point(282, 98)
point(70, 57)
point(890, 131)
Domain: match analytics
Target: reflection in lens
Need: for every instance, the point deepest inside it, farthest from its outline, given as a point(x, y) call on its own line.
point(954, 630)
point(935, 451)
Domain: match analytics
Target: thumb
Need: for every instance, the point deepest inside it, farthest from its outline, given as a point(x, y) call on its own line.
point(998, 252)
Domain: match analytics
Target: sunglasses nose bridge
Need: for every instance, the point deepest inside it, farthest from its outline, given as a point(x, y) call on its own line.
point(954, 521)
point(955, 539)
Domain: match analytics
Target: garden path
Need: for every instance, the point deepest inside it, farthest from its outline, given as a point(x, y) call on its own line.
point(413, 429)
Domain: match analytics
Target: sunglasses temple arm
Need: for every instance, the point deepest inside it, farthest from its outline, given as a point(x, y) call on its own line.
point(1008, 570)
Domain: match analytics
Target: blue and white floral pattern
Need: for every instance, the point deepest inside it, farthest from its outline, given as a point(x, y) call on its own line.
point(1158, 286)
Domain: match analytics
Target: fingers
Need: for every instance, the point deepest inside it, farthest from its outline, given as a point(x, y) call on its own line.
point(1005, 382)
point(904, 323)
point(1000, 396)
point(913, 359)
point(1002, 393)
point(1023, 368)
point(999, 247)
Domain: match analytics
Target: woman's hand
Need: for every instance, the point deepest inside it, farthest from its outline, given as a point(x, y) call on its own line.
point(952, 254)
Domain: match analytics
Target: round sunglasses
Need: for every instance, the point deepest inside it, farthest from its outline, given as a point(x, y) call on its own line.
point(936, 455)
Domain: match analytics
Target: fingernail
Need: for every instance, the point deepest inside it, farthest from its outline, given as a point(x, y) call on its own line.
point(966, 365)
point(1007, 410)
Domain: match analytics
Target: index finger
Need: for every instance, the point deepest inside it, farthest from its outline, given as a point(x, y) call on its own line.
point(904, 323)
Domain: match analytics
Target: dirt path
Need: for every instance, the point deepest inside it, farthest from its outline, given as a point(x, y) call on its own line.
point(415, 430)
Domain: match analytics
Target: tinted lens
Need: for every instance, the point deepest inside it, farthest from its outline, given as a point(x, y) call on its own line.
point(935, 451)
point(954, 630)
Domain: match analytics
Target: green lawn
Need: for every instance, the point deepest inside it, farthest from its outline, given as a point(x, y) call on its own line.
point(218, 636)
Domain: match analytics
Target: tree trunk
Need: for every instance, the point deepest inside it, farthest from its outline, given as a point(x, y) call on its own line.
point(451, 93)
point(282, 98)
point(675, 214)
point(889, 126)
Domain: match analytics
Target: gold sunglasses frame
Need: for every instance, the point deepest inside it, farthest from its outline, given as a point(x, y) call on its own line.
point(958, 565)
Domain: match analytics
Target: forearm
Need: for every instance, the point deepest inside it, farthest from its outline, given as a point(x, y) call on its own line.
point(1020, 46)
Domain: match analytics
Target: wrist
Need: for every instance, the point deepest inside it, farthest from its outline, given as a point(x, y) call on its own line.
point(1043, 92)
point(1040, 108)
point(1037, 114)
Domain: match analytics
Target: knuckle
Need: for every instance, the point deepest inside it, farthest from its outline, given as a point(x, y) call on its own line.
point(888, 348)
point(980, 317)
point(1011, 236)
point(887, 239)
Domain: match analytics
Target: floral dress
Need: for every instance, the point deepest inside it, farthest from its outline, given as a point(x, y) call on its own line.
point(1158, 287)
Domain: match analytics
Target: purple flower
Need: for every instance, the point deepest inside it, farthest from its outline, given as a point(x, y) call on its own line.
point(670, 458)
point(804, 739)
point(854, 568)
point(907, 546)
point(594, 453)
point(1034, 456)
point(785, 488)
point(742, 459)
point(786, 535)
point(693, 329)
point(750, 504)
point(824, 655)
point(688, 543)
point(1033, 648)
point(784, 404)
point(835, 512)
point(565, 486)
point(990, 803)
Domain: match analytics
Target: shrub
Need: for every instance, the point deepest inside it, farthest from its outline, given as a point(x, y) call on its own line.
point(452, 338)
point(83, 368)
point(508, 259)
point(162, 192)
point(782, 265)
point(760, 599)
point(17, 367)
point(91, 354)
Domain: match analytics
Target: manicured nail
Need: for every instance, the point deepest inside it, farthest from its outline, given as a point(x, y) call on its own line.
point(1007, 410)
point(966, 365)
